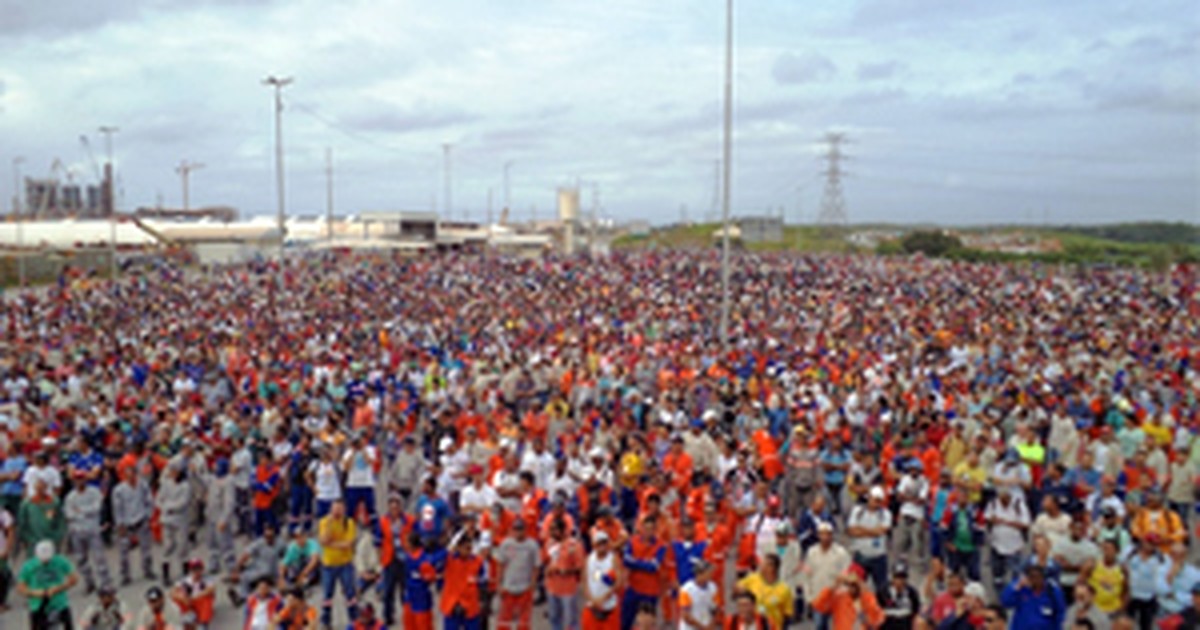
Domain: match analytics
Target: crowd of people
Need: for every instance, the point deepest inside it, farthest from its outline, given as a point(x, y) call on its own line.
point(469, 442)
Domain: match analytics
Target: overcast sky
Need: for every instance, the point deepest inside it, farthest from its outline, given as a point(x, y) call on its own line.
point(957, 111)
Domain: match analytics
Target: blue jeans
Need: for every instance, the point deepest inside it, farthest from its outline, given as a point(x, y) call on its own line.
point(631, 604)
point(330, 577)
point(564, 612)
point(393, 574)
point(355, 496)
point(1003, 569)
point(821, 621)
point(876, 568)
point(301, 505)
point(461, 623)
point(965, 561)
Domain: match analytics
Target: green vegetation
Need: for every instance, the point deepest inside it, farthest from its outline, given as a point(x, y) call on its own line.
point(930, 243)
point(796, 238)
point(1148, 245)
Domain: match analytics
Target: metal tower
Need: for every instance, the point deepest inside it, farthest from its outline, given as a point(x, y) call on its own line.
point(833, 203)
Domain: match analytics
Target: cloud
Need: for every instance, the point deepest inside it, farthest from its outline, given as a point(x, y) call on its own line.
point(878, 71)
point(810, 67)
point(42, 17)
point(391, 119)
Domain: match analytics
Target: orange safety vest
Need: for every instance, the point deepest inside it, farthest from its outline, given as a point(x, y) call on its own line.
point(461, 585)
point(645, 582)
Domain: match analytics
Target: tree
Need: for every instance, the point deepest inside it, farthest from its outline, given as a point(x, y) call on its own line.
point(930, 242)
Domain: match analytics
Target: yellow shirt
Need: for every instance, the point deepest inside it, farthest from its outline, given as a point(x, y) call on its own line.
point(977, 474)
point(336, 530)
point(953, 451)
point(774, 600)
point(1109, 583)
point(1160, 433)
point(632, 468)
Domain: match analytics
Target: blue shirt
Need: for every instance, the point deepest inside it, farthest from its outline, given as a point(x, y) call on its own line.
point(838, 457)
point(686, 553)
point(1034, 610)
point(432, 513)
point(87, 462)
point(418, 592)
point(15, 463)
point(1177, 596)
point(1143, 576)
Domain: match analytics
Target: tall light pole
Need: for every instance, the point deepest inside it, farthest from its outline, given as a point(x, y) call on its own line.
point(185, 169)
point(727, 151)
point(278, 83)
point(16, 208)
point(108, 132)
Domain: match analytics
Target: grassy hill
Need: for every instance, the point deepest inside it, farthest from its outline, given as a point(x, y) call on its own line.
point(1152, 245)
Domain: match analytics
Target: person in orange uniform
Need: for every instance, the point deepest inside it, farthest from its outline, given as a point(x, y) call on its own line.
point(645, 556)
point(603, 580)
point(465, 579)
point(849, 601)
point(679, 464)
point(195, 596)
point(563, 557)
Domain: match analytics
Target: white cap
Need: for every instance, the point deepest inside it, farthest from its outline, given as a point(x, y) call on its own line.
point(599, 535)
point(877, 493)
point(44, 550)
point(975, 589)
point(445, 443)
point(596, 453)
point(824, 526)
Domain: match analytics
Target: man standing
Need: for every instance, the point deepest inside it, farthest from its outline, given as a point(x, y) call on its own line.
point(44, 580)
point(82, 510)
point(868, 528)
point(174, 498)
point(900, 601)
point(40, 518)
point(601, 584)
point(564, 558)
point(518, 559)
point(644, 557)
point(465, 577)
point(220, 509)
point(824, 563)
point(394, 527)
point(132, 504)
point(337, 533)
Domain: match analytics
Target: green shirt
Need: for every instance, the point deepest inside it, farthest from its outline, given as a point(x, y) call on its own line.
point(37, 576)
point(300, 556)
point(38, 521)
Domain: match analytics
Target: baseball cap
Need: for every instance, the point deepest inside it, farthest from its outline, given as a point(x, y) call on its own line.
point(824, 526)
point(154, 594)
point(599, 536)
point(876, 493)
point(975, 589)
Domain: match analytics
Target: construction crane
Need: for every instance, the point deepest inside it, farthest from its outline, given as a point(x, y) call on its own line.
point(91, 157)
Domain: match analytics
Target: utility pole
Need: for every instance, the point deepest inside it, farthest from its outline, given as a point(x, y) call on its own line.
point(507, 186)
point(185, 169)
point(595, 219)
point(833, 204)
point(329, 193)
point(727, 152)
point(277, 84)
point(108, 132)
point(446, 148)
point(19, 218)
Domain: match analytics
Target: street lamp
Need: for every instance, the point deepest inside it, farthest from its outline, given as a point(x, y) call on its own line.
point(278, 84)
point(108, 132)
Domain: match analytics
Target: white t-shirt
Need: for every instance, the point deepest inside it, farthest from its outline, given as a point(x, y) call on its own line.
point(917, 487)
point(6, 522)
point(361, 468)
point(505, 480)
point(49, 474)
point(480, 498)
point(863, 516)
point(700, 600)
point(598, 573)
point(328, 484)
point(542, 466)
point(1006, 539)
